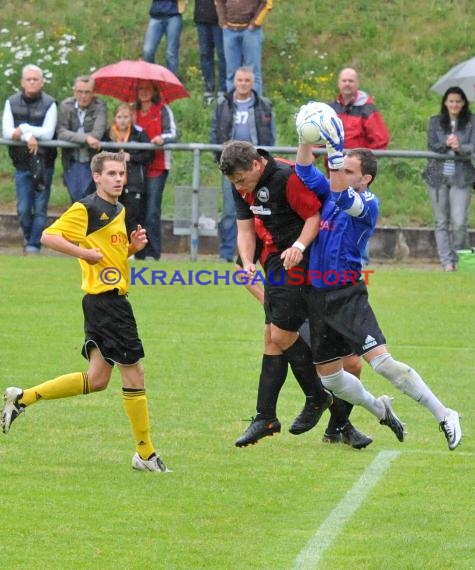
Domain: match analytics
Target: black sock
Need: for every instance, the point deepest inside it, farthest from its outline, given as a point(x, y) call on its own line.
point(271, 380)
point(339, 415)
point(299, 356)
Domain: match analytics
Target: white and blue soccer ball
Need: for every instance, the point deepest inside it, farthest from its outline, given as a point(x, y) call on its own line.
point(309, 119)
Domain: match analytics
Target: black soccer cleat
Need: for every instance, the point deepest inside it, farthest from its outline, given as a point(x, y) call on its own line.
point(310, 415)
point(351, 436)
point(390, 419)
point(348, 434)
point(257, 430)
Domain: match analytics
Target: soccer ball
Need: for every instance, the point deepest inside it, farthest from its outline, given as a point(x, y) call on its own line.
point(309, 119)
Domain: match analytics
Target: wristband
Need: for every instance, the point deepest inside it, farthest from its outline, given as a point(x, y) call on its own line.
point(299, 245)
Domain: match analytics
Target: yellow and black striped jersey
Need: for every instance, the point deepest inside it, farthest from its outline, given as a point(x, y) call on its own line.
point(95, 223)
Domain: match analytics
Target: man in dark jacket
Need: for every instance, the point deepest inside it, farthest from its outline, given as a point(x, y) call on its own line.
point(31, 116)
point(82, 119)
point(246, 116)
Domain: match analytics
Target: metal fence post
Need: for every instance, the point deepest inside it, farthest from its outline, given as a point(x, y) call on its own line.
point(195, 205)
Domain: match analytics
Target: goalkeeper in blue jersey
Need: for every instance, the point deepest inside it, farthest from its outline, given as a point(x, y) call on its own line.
point(93, 230)
point(341, 320)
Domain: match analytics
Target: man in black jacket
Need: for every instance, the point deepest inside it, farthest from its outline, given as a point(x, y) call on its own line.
point(31, 116)
point(246, 116)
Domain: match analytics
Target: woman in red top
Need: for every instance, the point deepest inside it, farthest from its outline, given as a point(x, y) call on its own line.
point(158, 122)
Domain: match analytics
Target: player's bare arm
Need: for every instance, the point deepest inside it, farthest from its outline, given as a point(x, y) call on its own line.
point(61, 244)
point(246, 243)
point(293, 255)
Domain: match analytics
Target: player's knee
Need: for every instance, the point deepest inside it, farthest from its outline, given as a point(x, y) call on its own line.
point(333, 382)
point(352, 364)
point(402, 376)
point(98, 383)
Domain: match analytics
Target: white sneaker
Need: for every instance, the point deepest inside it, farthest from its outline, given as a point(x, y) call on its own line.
point(11, 408)
point(450, 425)
point(390, 419)
point(153, 464)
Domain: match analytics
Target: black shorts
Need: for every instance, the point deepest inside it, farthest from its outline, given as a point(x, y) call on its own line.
point(109, 325)
point(342, 322)
point(285, 300)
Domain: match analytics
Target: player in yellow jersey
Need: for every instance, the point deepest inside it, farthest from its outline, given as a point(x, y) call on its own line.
point(93, 230)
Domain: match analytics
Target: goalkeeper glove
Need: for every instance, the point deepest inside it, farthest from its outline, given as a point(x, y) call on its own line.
point(333, 133)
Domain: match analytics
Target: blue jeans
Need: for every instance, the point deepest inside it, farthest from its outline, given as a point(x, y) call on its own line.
point(171, 27)
point(228, 224)
point(243, 47)
point(210, 38)
point(153, 215)
point(32, 206)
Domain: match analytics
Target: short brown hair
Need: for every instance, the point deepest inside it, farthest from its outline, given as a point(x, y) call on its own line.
point(98, 160)
point(368, 160)
point(237, 156)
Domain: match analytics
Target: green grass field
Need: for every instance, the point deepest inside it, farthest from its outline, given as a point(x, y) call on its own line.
point(70, 500)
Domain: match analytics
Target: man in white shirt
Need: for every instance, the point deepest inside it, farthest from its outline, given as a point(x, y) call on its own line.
point(30, 116)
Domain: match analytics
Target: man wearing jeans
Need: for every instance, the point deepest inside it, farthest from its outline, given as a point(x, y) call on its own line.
point(83, 120)
point(246, 116)
point(241, 23)
point(210, 39)
point(30, 116)
point(165, 19)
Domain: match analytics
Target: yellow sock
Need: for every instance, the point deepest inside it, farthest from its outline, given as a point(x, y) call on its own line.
point(136, 407)
point(61, 387)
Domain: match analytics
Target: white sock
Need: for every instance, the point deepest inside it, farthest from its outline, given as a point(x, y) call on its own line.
point(349, 388)
point(408, 381)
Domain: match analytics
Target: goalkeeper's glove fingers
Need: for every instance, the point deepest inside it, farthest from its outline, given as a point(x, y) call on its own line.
point(333, 133)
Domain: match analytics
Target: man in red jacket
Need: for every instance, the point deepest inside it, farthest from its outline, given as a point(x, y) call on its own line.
point(364, 126)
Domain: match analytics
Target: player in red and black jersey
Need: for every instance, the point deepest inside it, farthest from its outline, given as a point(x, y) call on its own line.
point(274, 207)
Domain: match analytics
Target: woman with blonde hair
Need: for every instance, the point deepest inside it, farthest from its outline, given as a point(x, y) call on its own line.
point(123, 130)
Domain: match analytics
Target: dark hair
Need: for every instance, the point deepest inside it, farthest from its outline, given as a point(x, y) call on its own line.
point(237, 156)
point(464, 115)
point(155, 96)
point(368, 160)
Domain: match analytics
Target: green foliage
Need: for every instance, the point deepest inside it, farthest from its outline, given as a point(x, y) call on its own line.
point(70, 499)
point(400, 49)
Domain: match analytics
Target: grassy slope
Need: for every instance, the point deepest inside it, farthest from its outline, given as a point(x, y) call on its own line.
point(399, 47)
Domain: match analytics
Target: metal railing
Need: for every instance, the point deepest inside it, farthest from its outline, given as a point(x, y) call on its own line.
point(198, 148)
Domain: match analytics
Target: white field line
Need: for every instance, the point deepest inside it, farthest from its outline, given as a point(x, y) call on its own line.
point(309, 556)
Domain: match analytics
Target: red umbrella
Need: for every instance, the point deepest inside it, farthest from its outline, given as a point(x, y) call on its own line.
point(120, 80)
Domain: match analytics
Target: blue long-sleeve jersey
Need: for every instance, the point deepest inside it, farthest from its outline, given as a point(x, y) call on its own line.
point(348, 219)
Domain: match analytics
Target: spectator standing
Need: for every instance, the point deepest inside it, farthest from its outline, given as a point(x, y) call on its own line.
point(30, 116)
point(93, 231)
point(246, 116)
point(157, 120)
point(363, 123)
point(243, 37)
point(133, 196)
point(165, 19)
point(82, 119)
point(450, 182)
point(210, 39)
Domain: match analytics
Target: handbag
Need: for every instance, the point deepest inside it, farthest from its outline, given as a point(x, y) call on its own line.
point(36, 163)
